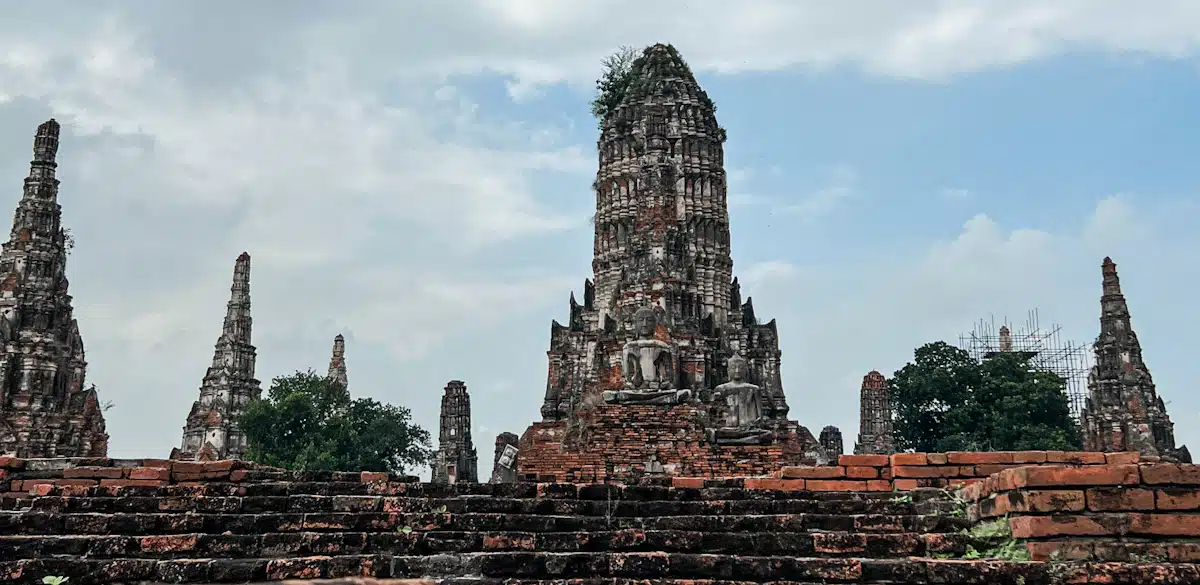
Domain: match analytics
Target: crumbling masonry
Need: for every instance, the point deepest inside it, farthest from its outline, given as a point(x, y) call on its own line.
point(831, 441)
point(661, 244)
point(504, 462)
point(456, 459)
point(875, 417)
point(45, 411)
point(1123, 411)
point(229, 385)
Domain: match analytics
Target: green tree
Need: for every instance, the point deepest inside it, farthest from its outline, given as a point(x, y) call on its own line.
point(614, 81)
point(946, 401)
point(308, 422)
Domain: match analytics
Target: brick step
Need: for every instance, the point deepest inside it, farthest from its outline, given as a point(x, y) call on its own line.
point(720, 490)
point(495, 505)
point(595, 569)
point(289, 544)
point(52, 523)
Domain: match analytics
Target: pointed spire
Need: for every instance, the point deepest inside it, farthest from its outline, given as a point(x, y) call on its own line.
point(1112, 282)
point(41, 183)
point(337, 363)
point(237, 313)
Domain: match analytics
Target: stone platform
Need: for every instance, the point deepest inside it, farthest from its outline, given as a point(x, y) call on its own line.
point(623, 443)
point(105, 521)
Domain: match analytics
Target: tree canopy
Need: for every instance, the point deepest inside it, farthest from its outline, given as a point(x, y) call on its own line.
point(944, 400)
point(308, 422)
point(614, 81)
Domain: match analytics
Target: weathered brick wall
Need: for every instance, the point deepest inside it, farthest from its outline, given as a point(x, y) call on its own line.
point(909, 471)
point(1148, 511)
point(626, 442)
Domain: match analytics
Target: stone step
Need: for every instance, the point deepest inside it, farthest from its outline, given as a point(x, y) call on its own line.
point(595, 569)
point(53, 523)
point(495, 505)
point(277, 545)
point(719, 490)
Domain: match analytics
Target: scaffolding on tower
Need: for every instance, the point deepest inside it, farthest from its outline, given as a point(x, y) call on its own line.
point(1045, 350)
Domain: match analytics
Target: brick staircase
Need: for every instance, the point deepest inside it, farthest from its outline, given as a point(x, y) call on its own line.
point(247, 525)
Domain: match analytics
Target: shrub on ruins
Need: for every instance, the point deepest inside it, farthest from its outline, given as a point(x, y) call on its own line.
point(944, 400)
point(615, 79)
point(309, 422)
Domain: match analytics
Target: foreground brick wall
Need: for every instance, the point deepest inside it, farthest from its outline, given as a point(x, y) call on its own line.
point(624, 443)
point(1147, 512)
point(909, 471)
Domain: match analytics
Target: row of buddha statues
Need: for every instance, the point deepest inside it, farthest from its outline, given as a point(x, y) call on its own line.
point(650, 372)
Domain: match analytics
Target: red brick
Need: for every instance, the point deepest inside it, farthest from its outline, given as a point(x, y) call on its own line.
point(813, 472)
point(974, 458)
point(1058, 476)
point(187, 466)
point(1064, 551)
point(688, 482)
point(163, 463)
point(989, 469)
point(1178, 499)
point(835, 485)
point(1040, 501)
point(1028, 456)
point(879, 485)
point(1179, 525)
point(238, 475)
point(915, 471)
point(165, 544)
point(77, 482)
point(936, 458)
point(909, 459)
point(507, 542)
point(223, 465)
point(1047, 526)
point(92, 473)
point(905, 485)
point(41, 489)
point(7, 462)
point(158, 473)
point(839, 543)
point(864, 460)
point(373, 477)
point(791, 485)
point(1171, 473)
point(1119, 499)
point(1122, 458)
point(862, 472)
point(1076, 457)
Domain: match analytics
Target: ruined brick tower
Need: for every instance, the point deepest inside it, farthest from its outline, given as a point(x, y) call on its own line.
point(229, 385)
point(831, 441)
point(456, 459)
point(504, 462)
point(337, 363)
point(661, 242)
point(1123, 411)
point(875, 417)
point(44, 409)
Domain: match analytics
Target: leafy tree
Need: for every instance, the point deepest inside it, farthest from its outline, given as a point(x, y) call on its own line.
point(308, 422)
point(615, 80)
point(946, 401)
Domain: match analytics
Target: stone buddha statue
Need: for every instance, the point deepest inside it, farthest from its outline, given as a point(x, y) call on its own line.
point(743, 411)
point(648, 367)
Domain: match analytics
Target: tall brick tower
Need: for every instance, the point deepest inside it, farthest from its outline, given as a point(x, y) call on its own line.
point(875, 417)
point(456, 459)
point(1123, 411)
point(44, 409)
point(337, 363)
point(229, 385)
point(661, 242)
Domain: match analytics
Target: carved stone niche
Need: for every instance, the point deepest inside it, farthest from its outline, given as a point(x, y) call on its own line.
point(741, 401)
point(649, 367)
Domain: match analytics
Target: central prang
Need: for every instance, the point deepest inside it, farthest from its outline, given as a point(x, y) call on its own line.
point(648, 365)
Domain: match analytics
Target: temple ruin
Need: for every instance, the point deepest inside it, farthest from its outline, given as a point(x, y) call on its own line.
point(658, 332)
point(456, 459)
point(211, 431)
point(875, 417)
point(1123, 411)
point(504, 462)
point(45, 411)
point(337, 363)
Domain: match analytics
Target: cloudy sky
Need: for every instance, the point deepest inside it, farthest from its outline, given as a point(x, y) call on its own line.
point(416, 176)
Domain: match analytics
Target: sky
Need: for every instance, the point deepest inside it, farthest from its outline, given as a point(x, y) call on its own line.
point(416, 176)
